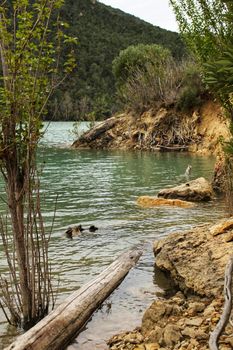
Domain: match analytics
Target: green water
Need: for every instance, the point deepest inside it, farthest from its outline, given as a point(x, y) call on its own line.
point(101, 188)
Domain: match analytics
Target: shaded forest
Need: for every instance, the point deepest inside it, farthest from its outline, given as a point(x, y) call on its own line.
point(102, 33)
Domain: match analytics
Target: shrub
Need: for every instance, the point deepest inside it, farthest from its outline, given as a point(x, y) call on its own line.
point(137, 58)
point(192, 88)
point(156, 80)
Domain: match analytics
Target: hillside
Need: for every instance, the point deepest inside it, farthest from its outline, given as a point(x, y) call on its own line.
point(102, 32)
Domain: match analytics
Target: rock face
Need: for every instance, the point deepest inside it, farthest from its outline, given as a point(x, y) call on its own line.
point(147, 201)
point(196, 262)
point(196, 259)
point(195, 190)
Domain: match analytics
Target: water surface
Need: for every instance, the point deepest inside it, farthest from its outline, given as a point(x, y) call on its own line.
point(101, 188)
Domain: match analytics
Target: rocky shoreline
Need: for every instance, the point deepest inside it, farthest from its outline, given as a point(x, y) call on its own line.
point(165, 129)
point(195, 260)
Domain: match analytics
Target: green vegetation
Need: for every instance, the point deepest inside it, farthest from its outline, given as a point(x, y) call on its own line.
point(102, 33)
point(147, 76)
point(207, 29)
point(139, 58)
point(29, 76)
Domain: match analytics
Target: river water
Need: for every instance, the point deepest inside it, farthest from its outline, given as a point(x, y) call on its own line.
point(101, 188)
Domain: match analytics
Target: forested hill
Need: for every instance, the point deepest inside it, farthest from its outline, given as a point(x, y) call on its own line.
point(102, 32)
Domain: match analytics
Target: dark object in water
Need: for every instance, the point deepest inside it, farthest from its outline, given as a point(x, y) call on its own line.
point(93, 228)
point(73, 231)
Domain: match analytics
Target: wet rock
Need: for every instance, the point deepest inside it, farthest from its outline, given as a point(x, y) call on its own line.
point(195, 190)
point(146, 201)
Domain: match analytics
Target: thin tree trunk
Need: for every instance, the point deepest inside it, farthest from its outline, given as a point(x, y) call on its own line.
point(16, 211)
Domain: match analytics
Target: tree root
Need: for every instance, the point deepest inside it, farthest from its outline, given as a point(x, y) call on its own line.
point(214, 336)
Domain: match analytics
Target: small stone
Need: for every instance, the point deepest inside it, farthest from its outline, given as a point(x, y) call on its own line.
point(171, 334)
point(134, 338)
point(215, 319)
point(196, 307)
point(221, 227)
point(155, 335)
point(201, 335)
point(191, 347)
point(229, 340)
point(152, 346)
point(189, 332)
point(194, 342)
point(228, 329)
point(209, 311)
point(139, 347)
point(229, 237)
point(194, 321)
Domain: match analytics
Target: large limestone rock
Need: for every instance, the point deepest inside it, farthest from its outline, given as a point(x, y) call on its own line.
point(196, 259)
point(195, 190)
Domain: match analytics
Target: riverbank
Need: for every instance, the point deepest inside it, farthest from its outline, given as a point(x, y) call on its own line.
point(195, 260)
point(196, 131)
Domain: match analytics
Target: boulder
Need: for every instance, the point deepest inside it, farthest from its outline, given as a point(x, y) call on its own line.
point(147, 201)
point(196, 259)
point(195, 190)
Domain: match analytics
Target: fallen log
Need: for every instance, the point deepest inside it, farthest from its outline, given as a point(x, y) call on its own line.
point(58, 329)
point(96, 131)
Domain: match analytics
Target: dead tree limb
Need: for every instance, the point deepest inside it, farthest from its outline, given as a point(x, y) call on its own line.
point(96, 131)
point(57, 329)
point(214, 336)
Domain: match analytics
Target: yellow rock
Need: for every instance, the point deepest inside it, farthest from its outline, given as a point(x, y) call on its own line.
point(152, 346)
point(139, 347)
point(221, 227)
point(147, 201)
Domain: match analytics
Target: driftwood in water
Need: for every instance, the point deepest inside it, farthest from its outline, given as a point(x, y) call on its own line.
point(213, 341)
point(57, 329)
point(96, 131)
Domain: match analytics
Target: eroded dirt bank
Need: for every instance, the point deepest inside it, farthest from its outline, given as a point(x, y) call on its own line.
point(166, 129)
point(195, 260)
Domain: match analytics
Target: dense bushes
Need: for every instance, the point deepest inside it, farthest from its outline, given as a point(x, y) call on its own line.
point(148, 76)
